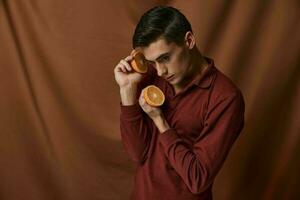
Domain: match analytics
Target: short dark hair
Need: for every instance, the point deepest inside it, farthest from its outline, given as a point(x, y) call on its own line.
point(161, 22)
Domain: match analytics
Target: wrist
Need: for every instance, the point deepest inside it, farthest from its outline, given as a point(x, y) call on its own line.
point(128, 94)
point(161, 123)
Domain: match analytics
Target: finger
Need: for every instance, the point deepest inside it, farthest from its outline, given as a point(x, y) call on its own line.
point(121, 68)
point(141, 100)
point(128, 58)
point(143, 105)
point(122, 65)
point(142, 96)
point(132, 52)
point(118, 68)
point(127, 66)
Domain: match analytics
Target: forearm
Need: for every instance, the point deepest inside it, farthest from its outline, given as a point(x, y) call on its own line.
point(135, 127)
point(199, 162)
point(136, 136)
point(128, 94)
point(161, 123)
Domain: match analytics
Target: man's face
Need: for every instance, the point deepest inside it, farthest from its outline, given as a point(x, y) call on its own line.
point(171, 61)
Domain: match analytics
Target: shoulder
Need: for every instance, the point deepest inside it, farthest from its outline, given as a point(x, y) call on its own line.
point(223, 88)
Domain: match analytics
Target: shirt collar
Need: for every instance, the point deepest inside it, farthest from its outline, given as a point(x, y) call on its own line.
point(205, 79)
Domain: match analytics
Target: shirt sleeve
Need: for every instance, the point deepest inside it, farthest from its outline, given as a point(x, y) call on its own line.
point(198, 165)
point(136, 132)
point(136, 128)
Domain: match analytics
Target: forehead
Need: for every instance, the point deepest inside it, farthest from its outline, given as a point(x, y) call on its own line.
point(155, 49)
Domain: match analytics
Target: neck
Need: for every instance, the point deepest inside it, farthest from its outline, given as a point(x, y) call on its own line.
point(196, 65)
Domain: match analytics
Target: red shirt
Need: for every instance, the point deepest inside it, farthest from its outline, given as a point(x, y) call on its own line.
point(181, 163)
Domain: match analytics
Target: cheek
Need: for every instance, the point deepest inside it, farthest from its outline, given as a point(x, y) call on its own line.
point(173, 67)
point(178, 66)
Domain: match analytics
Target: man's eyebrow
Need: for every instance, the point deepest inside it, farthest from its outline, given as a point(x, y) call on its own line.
point(160, 56)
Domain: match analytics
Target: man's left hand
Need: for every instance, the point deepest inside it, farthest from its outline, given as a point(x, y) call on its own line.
point(155, 113)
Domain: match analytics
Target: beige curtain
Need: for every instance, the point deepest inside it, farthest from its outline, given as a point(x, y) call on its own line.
point(59, 104)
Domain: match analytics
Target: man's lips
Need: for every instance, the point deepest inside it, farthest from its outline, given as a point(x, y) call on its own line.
point(169, 78)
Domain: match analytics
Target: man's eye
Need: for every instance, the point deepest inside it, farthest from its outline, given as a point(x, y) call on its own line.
point(165, 59)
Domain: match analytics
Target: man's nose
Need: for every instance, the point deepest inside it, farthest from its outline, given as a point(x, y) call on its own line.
point(161, 70)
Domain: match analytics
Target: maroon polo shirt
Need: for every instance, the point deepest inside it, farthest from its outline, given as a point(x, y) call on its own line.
point(182, 163)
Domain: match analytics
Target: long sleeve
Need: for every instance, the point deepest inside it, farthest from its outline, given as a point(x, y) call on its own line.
point(198, 165)
point(136, 132)
point(136, 128)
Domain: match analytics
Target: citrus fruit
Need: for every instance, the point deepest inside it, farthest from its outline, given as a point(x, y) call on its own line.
point(154, 96)
point(138, 62)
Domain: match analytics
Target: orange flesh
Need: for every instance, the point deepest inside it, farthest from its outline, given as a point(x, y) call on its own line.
point(154, 96)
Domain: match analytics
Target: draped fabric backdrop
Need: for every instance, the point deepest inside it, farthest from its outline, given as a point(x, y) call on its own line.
point(59, 104)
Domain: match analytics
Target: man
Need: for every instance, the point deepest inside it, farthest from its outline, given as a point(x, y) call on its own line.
point(179, 147)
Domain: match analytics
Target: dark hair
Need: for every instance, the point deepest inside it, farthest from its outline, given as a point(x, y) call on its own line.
point(161, 22)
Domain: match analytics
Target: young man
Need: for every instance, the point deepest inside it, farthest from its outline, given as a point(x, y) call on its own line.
point(179, 147)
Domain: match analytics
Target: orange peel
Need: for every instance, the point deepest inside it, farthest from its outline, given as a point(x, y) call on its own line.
point(154, 96)
point(138, 62)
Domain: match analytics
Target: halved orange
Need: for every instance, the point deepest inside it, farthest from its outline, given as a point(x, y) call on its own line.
point(138, 62)
point(154, 96)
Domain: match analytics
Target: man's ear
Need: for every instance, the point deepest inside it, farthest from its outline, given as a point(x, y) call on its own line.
point(189, 40)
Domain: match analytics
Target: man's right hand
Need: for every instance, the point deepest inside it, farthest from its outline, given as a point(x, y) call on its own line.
point(128, 80)
point(125, 76)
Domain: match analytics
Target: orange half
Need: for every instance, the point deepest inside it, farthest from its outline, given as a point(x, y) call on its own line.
point(138, 62)
point(154, 96)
